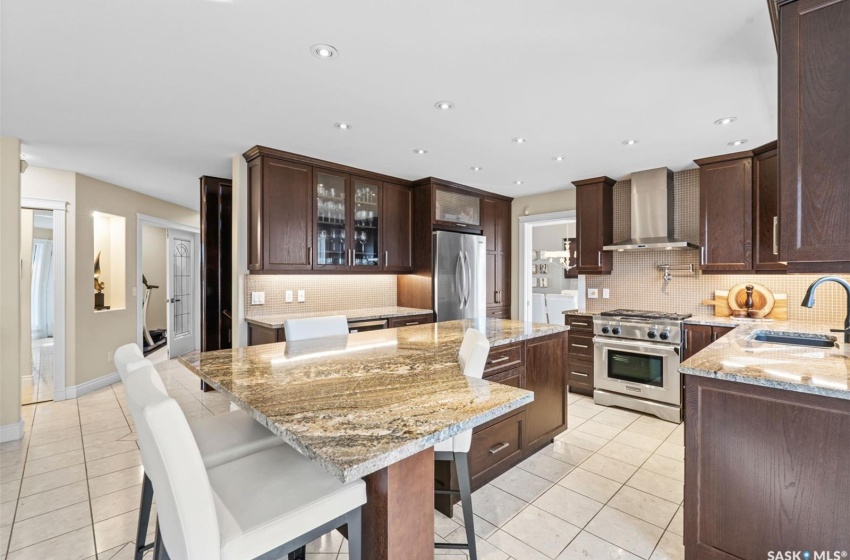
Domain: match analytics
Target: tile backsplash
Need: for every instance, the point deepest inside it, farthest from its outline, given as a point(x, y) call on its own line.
point(636, 283)
point(323, 292)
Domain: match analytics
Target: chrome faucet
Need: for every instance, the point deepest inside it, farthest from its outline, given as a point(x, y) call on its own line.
point(809, 301)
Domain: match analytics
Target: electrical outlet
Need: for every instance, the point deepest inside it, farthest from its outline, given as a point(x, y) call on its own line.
point(606, 293)
point(258, 298)
point(592, 293)
point(288, 296)
point(109, 355)
point(302, 296)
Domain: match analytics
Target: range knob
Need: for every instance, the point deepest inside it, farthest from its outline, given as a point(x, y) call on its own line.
point(651, 334)
point(664, 336)
point(615, 330)
point(605, 330)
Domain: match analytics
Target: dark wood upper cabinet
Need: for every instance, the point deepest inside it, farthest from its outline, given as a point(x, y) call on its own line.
point(726, 212)
point(766, 208)
point(496, 227)
point(488, 222)
point(332, 233)
point(595, 224)
point(814, 135)
point(397, 216)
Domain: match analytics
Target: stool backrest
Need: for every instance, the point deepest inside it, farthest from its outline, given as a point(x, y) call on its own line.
point(172, 461)
point(316, 327)
point(125, 355)
point(472, 357)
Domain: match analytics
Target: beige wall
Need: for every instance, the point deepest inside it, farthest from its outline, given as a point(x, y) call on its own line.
point(556, 201)
point(10, 248)
point(153, 267)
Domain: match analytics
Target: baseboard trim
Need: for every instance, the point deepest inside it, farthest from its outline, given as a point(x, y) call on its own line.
point(76, 391)
point(12, 432)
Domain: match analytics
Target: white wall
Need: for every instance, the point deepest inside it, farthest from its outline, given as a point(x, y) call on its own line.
point(551, 238)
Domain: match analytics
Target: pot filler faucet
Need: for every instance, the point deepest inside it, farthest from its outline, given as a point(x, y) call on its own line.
point(809, 301)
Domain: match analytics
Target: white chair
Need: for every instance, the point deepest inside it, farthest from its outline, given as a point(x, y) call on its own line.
point(221, 438)
point(556, 304)
point(538, 308)
point(472, 357)
point(263, 505)
point(316, 327)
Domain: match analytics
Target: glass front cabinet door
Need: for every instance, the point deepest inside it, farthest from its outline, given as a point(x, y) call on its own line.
point(332, 236)
point(366, 206)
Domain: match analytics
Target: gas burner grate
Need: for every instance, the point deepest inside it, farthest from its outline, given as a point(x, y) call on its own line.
point(639, 314)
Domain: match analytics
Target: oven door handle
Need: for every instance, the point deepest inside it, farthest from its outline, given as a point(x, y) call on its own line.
point(628, 344)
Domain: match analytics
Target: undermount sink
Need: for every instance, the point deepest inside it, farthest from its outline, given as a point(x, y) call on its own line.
point(795, 339)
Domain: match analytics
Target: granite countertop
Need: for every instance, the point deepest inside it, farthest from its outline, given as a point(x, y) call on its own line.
point(577, 312)
point(736, 357)
point(355, 404)
point(275, 321)
point(715, 321)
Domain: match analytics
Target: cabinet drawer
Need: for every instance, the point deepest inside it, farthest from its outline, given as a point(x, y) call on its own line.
point(580, 345)
point(409, 321)
point(505, 357)
point(580, 323)
point(499, 312)
point(581, 374)
point(498, 443)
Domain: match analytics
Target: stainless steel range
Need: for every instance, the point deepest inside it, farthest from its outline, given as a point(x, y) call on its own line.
point(636, 361)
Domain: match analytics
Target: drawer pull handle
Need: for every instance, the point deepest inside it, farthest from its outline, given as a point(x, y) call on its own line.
point(577, 323)
point(411, 323)
point(500, 447)
point(579, 374)
point(580, 345)
point(499, 360)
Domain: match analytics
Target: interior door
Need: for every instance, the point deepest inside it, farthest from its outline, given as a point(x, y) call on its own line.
point(180, 290)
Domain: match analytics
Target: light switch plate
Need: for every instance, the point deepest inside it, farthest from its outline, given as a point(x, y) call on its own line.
point(288, 296)
point(606, 293)
point(302, 296)
point(592, 293)
point(258, 298)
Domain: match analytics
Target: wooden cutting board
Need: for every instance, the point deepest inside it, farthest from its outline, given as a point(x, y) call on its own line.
point(763, 299)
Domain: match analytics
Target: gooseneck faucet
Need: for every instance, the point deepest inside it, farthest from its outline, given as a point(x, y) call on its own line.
point(809, 301)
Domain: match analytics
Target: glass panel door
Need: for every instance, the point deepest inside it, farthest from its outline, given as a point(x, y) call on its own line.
point(332, 242)
point(367, 207)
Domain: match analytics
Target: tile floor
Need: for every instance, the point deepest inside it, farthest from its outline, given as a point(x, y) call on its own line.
point(39, 386)
point(609, 488)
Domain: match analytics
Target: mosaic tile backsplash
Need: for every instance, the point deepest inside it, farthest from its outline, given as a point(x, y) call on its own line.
point(636, 283)
point(323, 292)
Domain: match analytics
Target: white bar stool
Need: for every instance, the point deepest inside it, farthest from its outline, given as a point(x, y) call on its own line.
point(472, 357)
point(316, 327)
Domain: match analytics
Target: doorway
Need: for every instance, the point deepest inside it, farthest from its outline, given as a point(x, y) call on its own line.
point(548, 286)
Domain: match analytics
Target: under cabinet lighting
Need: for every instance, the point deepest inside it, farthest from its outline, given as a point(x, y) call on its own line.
point(518, 140)
point(476, 168)
point(558, 158)
point(517, 182)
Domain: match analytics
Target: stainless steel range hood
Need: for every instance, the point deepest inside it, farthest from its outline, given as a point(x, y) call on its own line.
point(652, 214)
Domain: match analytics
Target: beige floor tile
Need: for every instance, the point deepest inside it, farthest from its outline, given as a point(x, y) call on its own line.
point(102, 416)
point(122, 552)
point(609, 468)
point(96, 427)
point(617, 417)
point(486, 551)
point(566, 452)
point(625, 531)
point(483, 528)
point(573, 398)
point(495, 506)
point(668, 467)
point(568, 505)
point(590, 547)
point(5, 533)
point(599, 429)
point(108, 449)
point(659, 485)
point(53, 479)
point(112, 482)
point(669, 548)
point(624, 453)
point(117, 530)
point(55, 436)
point(54, 462)
point(76, 545)
point(45, 502)
point(443, 525)
point(9, 491)
point(43, 527)
point(574, 421)
point(7, 514)
point(116, 503)
point(100, 467)
point(541, 530)
point(640, 441)
point(522, 484)
point(16, 457)
point(647, 426)
point(677, 525)
point(10, 473)
point(591, 485)
point(583, 440)
point(105, 436)
point(61, 423)
point(583, 411)
point(329, 542)
point(41, 451)
point(678, 435)
point(644, 506)
point(546, 467)
point(671, 451)
point(514, 547)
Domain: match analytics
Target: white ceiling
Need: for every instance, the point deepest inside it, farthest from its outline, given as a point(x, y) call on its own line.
point(152, 94)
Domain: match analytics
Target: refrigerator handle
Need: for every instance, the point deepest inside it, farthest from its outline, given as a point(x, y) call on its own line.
point(468, 282)
point(458, 282)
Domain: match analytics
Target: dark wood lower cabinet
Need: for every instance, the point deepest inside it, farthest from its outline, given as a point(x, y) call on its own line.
point(546, 375)
point(765, 471)
point(697, 337)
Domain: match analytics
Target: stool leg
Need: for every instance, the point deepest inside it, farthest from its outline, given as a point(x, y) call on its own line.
point(355, 534)
point(159, 552)
point(298, 554)
point(465, 486)
point(144, 516)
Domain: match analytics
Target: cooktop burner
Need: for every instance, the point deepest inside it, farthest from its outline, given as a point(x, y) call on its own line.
point(637, 314)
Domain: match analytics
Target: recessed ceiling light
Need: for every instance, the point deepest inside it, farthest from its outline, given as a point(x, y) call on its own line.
point(476, 168)
point(518, 140)
point(324, 51)
point(517, 182)
point(726, 120)
point(420, 151)
point(342, 125)
point(629, 142)
point(737, 142)
point(444, 105)
point(558, 158)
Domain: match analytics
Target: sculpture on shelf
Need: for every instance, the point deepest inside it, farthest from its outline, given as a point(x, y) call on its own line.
point(98, 285)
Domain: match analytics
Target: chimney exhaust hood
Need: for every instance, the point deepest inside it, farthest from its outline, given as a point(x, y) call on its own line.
point(652, 214)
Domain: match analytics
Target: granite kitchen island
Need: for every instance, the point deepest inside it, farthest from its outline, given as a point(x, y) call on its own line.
point(372, 405)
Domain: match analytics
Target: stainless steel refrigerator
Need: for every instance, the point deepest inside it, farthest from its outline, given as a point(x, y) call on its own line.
point(459, 275)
